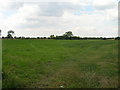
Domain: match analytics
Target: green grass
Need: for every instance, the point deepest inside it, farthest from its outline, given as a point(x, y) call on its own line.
point(56, 63)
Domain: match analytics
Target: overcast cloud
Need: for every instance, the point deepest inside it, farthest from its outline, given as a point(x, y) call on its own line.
point(37, 18)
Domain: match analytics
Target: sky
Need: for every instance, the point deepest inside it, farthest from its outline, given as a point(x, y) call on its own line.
point(42, 18)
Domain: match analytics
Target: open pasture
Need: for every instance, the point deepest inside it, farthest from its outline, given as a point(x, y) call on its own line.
point(60, 63)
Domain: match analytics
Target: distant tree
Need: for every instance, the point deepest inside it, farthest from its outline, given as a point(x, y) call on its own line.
point(23, 37)
point(27, 37)
point(117, 38)
point(0, 32)
point(10, 34)
point(38, 37)
point(104, 38)
point(15, 37)
point(41, 37)
point(19, 37)
point(44, 38)
point(68, 34)
point(52, 36)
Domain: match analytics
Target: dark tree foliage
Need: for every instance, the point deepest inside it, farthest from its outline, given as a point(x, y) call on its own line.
point(52, 36)
point(38, 37)
point(67, 36)
point(117, 38)
point(10, 34)
point(0, 32)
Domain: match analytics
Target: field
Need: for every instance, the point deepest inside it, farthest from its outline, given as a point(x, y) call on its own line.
point(60, 63)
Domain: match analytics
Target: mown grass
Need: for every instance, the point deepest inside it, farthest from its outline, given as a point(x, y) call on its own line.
point(60, 63)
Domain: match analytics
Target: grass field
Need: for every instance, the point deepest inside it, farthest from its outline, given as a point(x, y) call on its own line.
point(60, 63)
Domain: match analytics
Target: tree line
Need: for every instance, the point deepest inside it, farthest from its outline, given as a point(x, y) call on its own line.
point(67, 36)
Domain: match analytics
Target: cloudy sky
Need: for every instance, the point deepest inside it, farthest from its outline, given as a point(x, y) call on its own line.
point(42, 18)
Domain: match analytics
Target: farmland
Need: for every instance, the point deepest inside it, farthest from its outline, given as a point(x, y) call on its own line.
point(60, 63)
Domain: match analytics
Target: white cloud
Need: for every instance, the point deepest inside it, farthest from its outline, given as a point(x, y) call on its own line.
point(104, 4)
point(10, 5)
point(36, 19)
